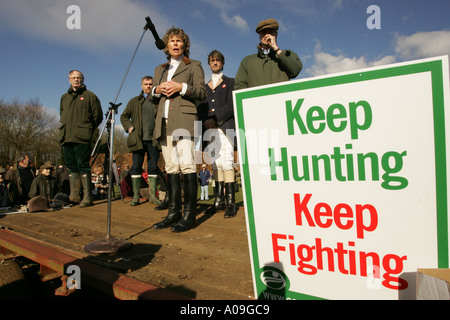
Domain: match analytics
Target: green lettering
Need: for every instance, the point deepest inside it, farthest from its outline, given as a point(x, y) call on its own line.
point(283, 163)
point(294, 115)
point(315, 114)
point(354, 124)
point(332, 116)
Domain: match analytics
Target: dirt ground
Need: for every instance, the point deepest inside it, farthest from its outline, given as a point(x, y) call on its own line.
point(209, 262)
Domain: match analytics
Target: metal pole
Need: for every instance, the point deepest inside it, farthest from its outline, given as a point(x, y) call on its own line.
point(111, 154)
point(111, 244)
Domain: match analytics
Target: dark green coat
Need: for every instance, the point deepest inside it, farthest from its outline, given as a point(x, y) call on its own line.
point(81, 113)
point(259, 69)
point(132, 117)
point(43, 186)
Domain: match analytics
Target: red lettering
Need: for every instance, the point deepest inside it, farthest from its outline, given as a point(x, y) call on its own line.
point(342, 258)
point(343, 211)
point(276, 247)
point(360, 226)
point(327, 212)
point(302, 207)
point(342, 215)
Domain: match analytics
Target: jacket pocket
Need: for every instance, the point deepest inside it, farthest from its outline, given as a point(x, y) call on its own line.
point(61, 134)
point(132, 139)
point(188, 109)
point(83, 132)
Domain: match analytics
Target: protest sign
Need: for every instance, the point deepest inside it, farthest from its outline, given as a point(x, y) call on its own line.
point(345, 181)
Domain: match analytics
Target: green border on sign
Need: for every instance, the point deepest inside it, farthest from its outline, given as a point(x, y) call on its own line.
point(436, 69)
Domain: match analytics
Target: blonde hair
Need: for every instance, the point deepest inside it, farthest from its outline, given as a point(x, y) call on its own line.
point(99, 167)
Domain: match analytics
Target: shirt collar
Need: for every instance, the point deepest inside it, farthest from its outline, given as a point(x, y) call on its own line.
point(217, 75)
point(175, 62)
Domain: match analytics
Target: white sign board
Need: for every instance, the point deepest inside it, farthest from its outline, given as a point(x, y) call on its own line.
point(345, 181)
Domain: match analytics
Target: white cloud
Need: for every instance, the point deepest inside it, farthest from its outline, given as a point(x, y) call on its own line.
point(104, 25)
point(236, 22)
point(224, 8)
point(423, 45)
point(417, 46)
point(326, 63)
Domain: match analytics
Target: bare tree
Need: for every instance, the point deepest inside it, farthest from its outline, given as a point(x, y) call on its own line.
point(27, 128)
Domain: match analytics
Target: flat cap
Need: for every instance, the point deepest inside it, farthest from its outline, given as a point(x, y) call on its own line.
point(267, 24)
point(46, 166)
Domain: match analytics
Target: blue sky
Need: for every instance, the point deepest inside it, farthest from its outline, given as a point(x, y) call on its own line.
point(330, 36)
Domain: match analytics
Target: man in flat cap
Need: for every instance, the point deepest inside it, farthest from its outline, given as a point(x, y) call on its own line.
point(270, 64)
point(44, 184)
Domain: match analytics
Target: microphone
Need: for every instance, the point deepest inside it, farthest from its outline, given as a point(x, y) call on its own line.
point(158, 42)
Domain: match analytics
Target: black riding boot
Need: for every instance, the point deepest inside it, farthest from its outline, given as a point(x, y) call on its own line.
point(190, 204)
point(174, 214)
point(219, 202)
point(231, 208)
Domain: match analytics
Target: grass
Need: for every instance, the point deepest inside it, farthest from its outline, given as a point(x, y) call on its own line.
point(238, 197)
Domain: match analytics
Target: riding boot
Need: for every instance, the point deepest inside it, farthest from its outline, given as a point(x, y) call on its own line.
point(152, 190)
point(87, 190)
point(174, 213)
point(219, 202)
point(136, 183)
point(75, 187)
point(190, 204)
point(229, 195)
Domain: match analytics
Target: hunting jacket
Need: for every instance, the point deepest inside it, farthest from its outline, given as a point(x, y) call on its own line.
point(182, 109)
point(132, 117)
point(261, 69)
point(81, 113)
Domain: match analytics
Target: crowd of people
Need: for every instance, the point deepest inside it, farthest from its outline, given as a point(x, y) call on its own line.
point(160, 121)
point(22, 182)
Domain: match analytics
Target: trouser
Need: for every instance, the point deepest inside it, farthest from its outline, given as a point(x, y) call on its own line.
point(223, 173)
point(204, 195)
point(77, 156)
point(152, 159)
point(178, 155)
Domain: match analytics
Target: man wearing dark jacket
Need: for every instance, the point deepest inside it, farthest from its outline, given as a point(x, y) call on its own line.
point(44, 184)
point(8, 191)
point(22, 175)
point(217, 115)
point(270, 64)
point(138, 120)
point(81, 113)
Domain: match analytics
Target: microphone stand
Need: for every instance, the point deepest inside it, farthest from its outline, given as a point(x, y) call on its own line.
point(113, 244)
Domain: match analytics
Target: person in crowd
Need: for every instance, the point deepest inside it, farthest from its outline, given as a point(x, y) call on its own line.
point(217, 115)
point(125, 171)
point(270, 64)
point(138, 120)
point(44, 184)
point(100, 182)
point(8, 191)
point(204, 177)
point(178, 85)
point(22, 175)
point(81, 113)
